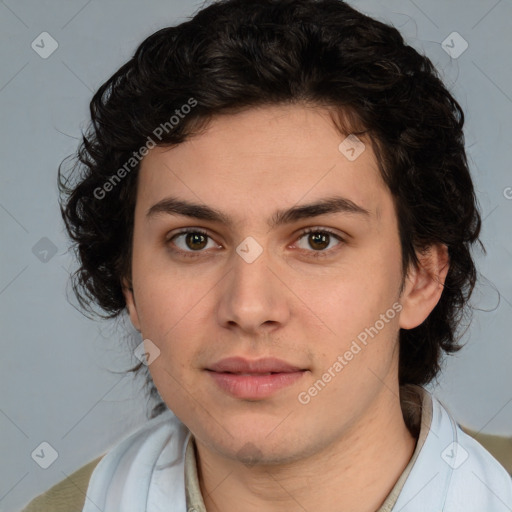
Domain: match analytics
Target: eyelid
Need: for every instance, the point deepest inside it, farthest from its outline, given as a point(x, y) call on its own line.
point(183, 231)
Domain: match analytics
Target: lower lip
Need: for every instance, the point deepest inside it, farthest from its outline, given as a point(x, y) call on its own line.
point(254, 386)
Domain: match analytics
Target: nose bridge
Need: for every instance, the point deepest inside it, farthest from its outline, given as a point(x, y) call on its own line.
point(251, 296)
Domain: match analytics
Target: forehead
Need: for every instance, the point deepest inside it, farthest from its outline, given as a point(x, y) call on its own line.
point(274, 155)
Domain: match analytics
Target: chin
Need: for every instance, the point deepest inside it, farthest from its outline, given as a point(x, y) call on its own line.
point(252, 455)
point(256, 443)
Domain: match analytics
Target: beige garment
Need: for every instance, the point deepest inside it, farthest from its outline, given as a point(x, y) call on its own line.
point(416, 406)
point(68, 495)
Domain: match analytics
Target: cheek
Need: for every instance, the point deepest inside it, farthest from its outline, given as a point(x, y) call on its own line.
point(173, 310)
point(354, 298)
point(166, 299)
point(173, 371)
point(360, 319)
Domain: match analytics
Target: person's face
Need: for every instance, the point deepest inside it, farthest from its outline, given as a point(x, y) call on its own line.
point(210, 295)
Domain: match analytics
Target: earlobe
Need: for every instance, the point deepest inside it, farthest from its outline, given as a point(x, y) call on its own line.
point(424, 286)
point(130, 303)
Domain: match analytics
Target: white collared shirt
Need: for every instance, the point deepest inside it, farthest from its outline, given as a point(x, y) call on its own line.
point(448, 472)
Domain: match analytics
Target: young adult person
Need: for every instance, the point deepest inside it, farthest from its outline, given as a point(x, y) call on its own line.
point(277, 193)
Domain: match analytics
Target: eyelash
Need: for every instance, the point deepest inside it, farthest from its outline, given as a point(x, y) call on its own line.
point(314, 254)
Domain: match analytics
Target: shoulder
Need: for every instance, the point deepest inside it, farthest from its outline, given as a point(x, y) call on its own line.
point(500, 447)
point(69, 495)
point(480, 480)
point(66, 496)
point(453, 472)
point(140, 466)
point(474, 479)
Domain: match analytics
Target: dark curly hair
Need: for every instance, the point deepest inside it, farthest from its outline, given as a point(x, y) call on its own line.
point(239, 54)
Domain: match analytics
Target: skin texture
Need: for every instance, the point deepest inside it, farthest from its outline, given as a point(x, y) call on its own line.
point(345, 448)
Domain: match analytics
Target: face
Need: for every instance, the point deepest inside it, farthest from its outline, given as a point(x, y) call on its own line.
point(274, 301)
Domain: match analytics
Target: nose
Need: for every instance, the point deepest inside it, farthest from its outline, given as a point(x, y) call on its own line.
point(252, 298)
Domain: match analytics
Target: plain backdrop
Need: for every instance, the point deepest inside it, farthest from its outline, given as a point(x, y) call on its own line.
point(60, 373)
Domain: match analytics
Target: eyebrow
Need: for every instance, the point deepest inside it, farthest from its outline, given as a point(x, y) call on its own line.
point(330, 205)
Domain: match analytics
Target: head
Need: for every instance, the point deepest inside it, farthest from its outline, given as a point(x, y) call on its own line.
point(234, 125)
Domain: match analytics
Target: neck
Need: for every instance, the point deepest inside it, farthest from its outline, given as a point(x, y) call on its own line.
point(356, 473)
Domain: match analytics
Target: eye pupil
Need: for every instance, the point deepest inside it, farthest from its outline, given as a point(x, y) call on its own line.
point(319, 240)
point(196, 241)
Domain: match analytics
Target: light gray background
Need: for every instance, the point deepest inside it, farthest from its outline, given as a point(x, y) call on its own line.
point(56, 367)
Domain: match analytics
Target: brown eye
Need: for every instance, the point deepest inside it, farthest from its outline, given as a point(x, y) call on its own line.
point(191, 241)
point(196, 241)
point(319, 240)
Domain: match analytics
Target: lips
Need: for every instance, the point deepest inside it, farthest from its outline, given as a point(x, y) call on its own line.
point(253, 380)
point(257, 367)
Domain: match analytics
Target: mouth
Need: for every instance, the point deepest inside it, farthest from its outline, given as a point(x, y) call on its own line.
point(256, 379)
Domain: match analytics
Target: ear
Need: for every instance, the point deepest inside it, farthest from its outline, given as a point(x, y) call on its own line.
point(424, 286)
point(130, 303)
